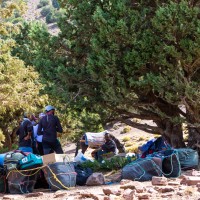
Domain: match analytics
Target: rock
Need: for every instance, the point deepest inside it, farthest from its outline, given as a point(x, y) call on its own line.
point(129, 194)
point(190, 180)
point(138, 186)
point(35, 194)
point(12, 197)
point(95, 179)
point(167, 195)
point(60, 193)
point(159, 180)
point(166, 189)
point(175, 183)
point(144, 196)
point(108, 191)
point(152, 190)
point(92, 196)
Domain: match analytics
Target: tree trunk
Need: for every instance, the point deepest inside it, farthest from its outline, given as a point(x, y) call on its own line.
point(172, 133)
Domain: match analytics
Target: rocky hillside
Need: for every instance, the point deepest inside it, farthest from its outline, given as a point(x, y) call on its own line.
point(34, 13)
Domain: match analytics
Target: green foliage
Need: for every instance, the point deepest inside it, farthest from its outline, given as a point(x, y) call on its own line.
point(114, 163)
point(55, 4)
point(43, 3)
point(20, 86)
point(46, 10)
point(52, 17)
point(124, 61)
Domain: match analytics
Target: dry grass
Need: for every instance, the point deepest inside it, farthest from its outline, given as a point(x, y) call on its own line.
point(126, 139)
point(132, 149)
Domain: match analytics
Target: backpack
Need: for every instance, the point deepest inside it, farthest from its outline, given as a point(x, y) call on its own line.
point(11, 159)
point(30, 161)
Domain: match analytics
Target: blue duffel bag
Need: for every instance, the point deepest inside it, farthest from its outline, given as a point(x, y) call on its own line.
point(30, 161)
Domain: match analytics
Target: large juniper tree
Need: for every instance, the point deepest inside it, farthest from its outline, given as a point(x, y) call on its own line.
point(129, 60)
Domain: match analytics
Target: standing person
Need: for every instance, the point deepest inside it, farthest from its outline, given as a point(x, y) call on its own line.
point(48, 126)
point(25, 133)
point(38, 138)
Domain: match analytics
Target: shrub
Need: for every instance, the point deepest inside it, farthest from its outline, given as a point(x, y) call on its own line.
point(43, 3)
point(52, 17)
point(142, 138)
point(132, 149)
point(46, 10)
point(126, 139)
point(55, 4)
point(127, 129)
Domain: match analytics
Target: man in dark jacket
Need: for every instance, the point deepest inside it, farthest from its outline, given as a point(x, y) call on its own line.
point(48, 126)
point(25, 133)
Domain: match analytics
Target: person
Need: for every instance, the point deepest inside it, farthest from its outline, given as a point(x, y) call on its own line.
point(38, 138)
point(109, 147)
point(25, 133)
point(48, 126)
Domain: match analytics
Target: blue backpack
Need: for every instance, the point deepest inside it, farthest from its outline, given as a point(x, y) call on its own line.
point(30, 161)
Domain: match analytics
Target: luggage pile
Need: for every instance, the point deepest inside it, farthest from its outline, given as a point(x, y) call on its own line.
point(20, 172)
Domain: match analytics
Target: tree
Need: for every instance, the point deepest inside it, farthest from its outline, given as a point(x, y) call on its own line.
point(128, 60)
point(19, 87)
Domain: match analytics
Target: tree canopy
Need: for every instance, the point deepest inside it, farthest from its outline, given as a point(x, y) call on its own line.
point(128, 60)
point(19, 88)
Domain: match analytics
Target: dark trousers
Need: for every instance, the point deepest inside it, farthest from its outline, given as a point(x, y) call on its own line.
point(40, 148)
point(48, 147)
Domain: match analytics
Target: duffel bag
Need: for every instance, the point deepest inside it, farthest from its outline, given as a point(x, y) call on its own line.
point(171, 167)
point(142, 169)
point(11, 159)
point(60, 175)
point(30, 161)
point(20, 182)
point(189, 158)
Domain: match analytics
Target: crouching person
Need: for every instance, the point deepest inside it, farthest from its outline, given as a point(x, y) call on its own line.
point(108, 149)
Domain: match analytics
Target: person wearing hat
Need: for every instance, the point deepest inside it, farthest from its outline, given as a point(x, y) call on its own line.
point(48, 126)
point(25, 133)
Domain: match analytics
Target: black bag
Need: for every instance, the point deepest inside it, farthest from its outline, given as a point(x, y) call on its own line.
point(170, 164)
point(60, 175)
point(11, 159)
point(20, 182)
point(189, 158)
point(3, 184)
point(82, 174)
point(141, 170)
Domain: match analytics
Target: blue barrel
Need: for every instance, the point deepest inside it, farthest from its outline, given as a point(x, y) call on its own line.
point(2, 156)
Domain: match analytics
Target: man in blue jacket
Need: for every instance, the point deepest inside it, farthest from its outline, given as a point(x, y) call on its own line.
point(48, 126)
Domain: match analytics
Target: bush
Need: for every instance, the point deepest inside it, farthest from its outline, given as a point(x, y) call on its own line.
point(55, 4)
point(126, 139)
point(43, 3)
point(53, 16)
point(46, 10)
point(126, 129)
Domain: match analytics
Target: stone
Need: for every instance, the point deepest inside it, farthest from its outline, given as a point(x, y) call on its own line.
point(129, 194)
point(108, 191)
point(144, 196)
point(138, 186)
point(167, 195)
point(60, 193)
point(166, 189)
point(151, 190)
point(12, 197)
point(95, 179)
point(35, 194)
point(190, 180)
point(159, 180)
